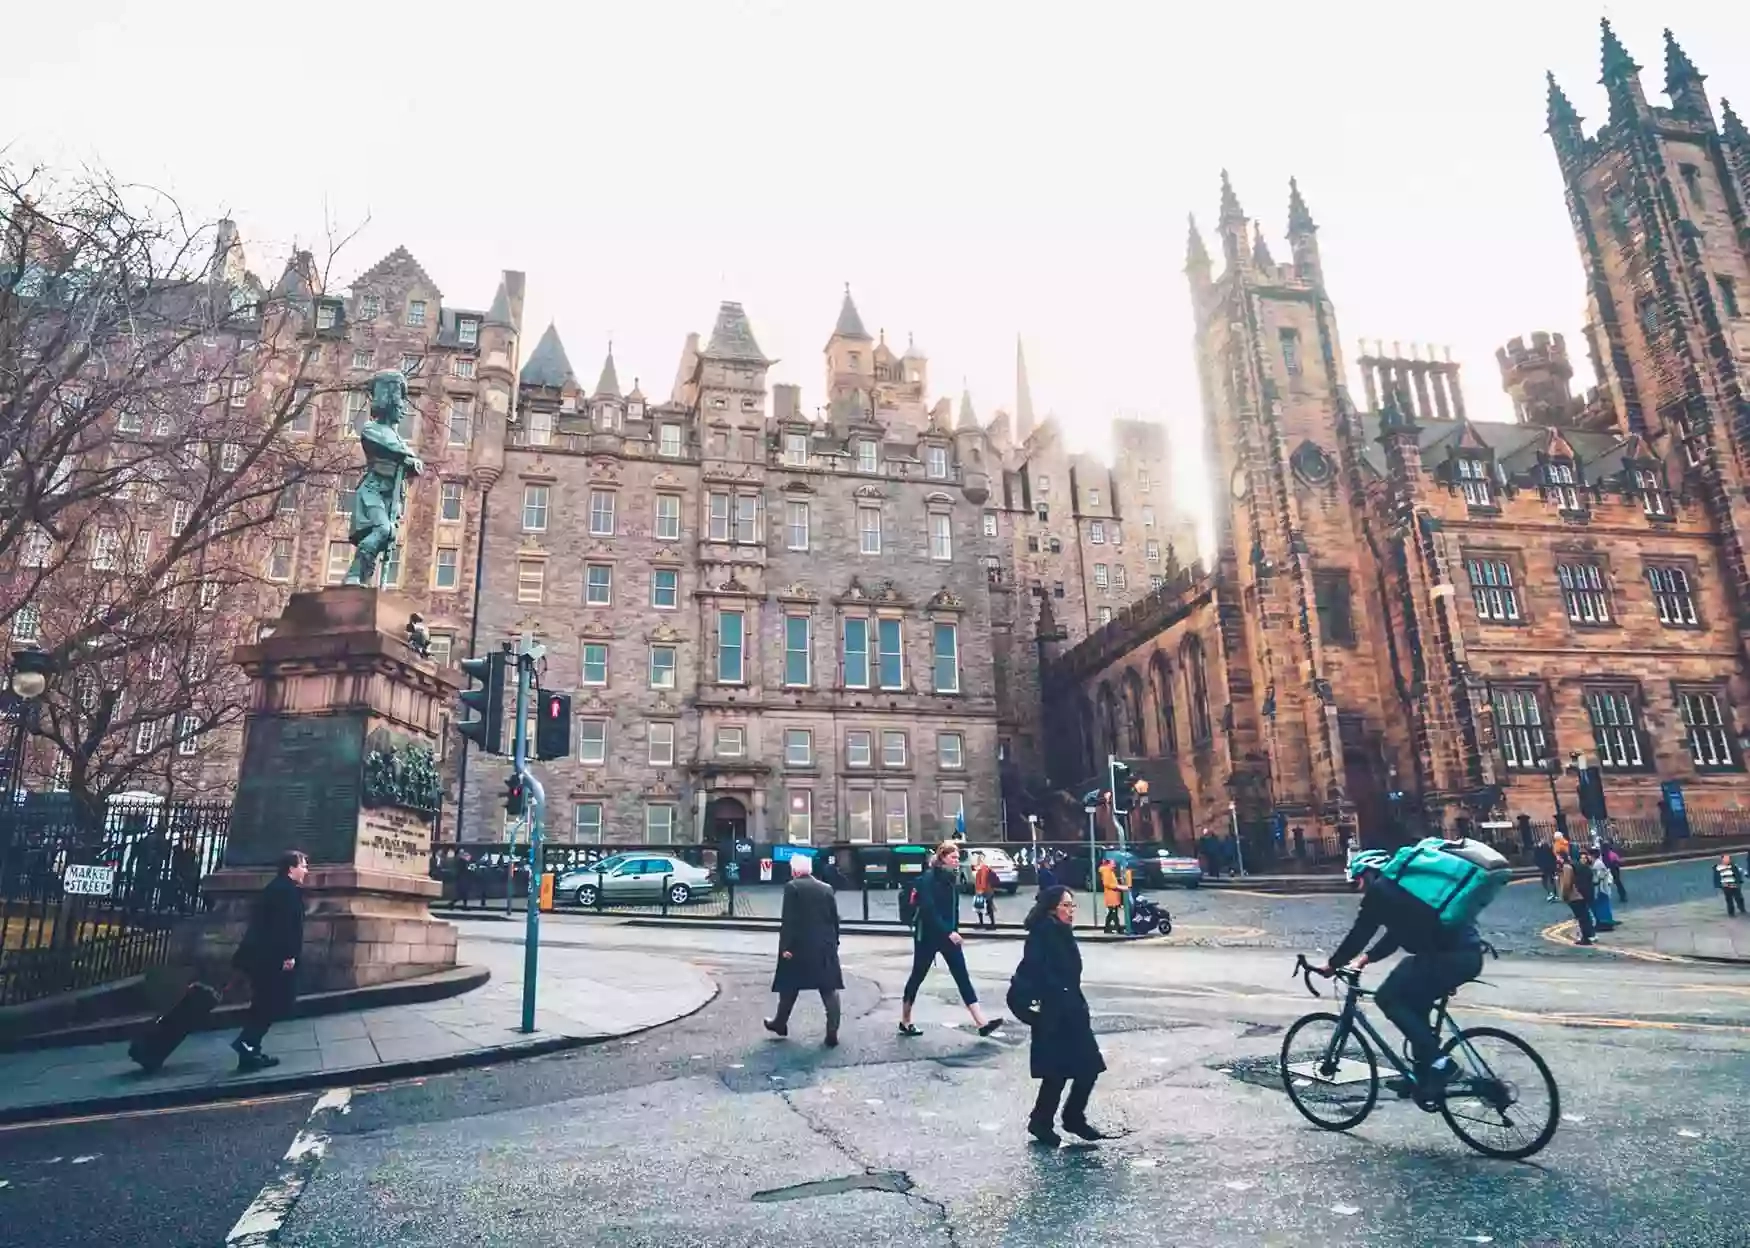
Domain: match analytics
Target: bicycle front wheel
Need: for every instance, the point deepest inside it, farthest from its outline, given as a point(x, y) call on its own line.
point(1329, 1072)
point(1503, 1101)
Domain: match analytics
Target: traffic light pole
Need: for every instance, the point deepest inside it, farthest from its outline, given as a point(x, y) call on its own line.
point(528, 652)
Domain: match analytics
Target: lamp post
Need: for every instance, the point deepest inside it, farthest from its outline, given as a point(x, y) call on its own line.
point(1552, 767)
point(26, 683)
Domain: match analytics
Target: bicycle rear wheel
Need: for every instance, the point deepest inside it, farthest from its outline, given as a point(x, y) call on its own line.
point(1503, 1101)
point(1333, 1081)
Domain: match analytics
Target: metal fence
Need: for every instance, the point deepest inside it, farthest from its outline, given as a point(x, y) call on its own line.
point(624, 879)
point(155, 856)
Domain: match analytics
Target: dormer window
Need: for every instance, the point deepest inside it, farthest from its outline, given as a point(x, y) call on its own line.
point(1652, 492)
point(1563, 485)
point(669, 441)
point(327, 315)
point(936, 462)
point(1473, 480)
point(468, 331)
point(796, 449)
point(866, 456)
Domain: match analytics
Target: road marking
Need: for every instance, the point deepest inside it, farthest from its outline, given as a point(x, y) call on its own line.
point(267, 1213)
point(76, 1119)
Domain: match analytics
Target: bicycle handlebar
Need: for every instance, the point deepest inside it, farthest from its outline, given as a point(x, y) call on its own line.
point(1306, 970)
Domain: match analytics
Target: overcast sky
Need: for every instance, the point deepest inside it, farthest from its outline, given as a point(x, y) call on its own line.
point(974, 170)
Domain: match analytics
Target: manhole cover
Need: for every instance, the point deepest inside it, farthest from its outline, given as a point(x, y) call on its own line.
point(896, 1181)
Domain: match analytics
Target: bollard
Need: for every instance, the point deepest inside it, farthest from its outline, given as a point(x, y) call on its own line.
point(665, 879)
point(600, 890)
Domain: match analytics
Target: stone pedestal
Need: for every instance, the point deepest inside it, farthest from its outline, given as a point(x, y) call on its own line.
point(339, 761)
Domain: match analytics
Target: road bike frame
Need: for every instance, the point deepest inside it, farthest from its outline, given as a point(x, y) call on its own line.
point(1352, 1017)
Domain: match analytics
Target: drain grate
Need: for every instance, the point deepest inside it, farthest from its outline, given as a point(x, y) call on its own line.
point(896, 1181)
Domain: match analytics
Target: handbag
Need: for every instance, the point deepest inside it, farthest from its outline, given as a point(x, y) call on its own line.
point(980, 904)
point(1022, 999)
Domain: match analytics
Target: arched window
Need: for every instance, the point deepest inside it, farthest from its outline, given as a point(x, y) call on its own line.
point(1196, 688)
point(1166, 719)
point(1135, 733)
point(1108, 722)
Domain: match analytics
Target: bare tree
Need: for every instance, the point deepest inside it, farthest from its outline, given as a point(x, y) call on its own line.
point(157, 413)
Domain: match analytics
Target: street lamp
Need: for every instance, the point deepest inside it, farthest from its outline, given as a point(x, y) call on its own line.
point(26, 684)
point(1552, 767)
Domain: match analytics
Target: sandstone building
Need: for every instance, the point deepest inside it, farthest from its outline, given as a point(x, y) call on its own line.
point(1409, 605)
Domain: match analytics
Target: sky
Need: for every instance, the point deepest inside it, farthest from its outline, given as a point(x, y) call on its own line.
point(975, 171)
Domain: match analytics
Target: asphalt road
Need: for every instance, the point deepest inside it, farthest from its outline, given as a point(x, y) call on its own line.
point(667, 1139)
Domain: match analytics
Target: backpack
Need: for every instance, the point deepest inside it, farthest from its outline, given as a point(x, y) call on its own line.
point(908, 901)
point(1454, 880)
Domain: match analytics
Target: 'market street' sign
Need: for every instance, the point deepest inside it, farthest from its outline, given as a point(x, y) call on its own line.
point(94, 881)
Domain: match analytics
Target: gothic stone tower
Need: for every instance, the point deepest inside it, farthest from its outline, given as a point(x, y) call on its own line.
point(1660, 201)
point(1301, 666)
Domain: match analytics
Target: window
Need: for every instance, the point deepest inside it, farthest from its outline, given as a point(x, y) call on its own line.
point(27, 623)
point(410, 363)
point(1692, 183)
point(796, 526)
point(859, 748)
point(891, 655)
point(1290, 339)
point(37, 545)
point(448, 566)
point(798, 747)
point(866, 457)
point(592, 740)
point(461, 422)
point(897, 824)
point(1583, 593)
point(1492, 589)
point(1044, 483)
point(952, 807)
point(540, 425)
point(1097, 532)
point(1710, 738)
point(279, 560)
point(1728, 297)
point(450, 503)
point(442, 646)
point(947, 658)
point(1615, 730)
point(1673, 597)
point(869, 530)
point(1652, 491)
point(799, 811)
point(668, 517)
point(1647, 312)
point(587, 823)
point(730, 667)
point(1057, 589)
point(1148, 517)
point(145, 737)
point(796, 650)
point(1093, 498)
point(1332, 594)
point(392, 567)
point(1519, 729)
point(1044, 513)
point(531, 579)
point(534, 508)
point(1197, 682)
point(179, 512)
point(198, 660)
point(665, 588)
point(1560, 481)
point(1156, 581)
point(950, 751)
point(719, 505)
point(860, 816)
point(1101, 577)
point(105, 548)
point(659, 823)
point(128, 420)
point(467, 331)
point(188, 730)
point(893, 749)
point(1142, 487)
point(1120, 576)
point(287, 502)
point(595, 663)
point(1152, 551)
point(659, 748)
point(370, 307)
point(601, 513)
point(936, 462)
point(731, 741)
point(416, 312)
point(598, 585)
point(358, 411)
point(990, 524)
point(750, 442)
point(1103, 616)
point(669, 441)
point(362, 358)
point(796, 449)
point(239, 392)
point(209, 590)
point(747, 511)
point(662, 667)
point(941, 536)
point(1474, 483)
point(856, 654)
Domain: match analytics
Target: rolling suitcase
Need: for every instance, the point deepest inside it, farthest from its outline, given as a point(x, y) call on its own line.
point(172, 1027)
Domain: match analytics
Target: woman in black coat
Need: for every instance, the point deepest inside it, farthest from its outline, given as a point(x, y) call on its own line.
point(808, 949)
point(1064, 1050)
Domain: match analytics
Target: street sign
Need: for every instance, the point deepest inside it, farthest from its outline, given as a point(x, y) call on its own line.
point(89, 881)
point(765, 870)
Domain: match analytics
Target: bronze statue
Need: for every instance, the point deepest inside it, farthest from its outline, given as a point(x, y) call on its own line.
point(381, 498)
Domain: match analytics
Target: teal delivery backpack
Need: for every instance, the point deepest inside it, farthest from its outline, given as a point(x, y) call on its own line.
point(1454, 879)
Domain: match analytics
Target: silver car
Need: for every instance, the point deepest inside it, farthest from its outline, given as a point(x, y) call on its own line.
point(633, 878)
point(1008, 878)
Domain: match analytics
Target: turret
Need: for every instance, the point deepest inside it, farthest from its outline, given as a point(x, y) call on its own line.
point(1196, 260)
point(850, 363)
point(1023, 396)
point(1621, 78)
point(1563, 124)
point(1303, 236)
point(970, 449)
point(1737, 145)
point(1537, 379)
point(1232, 226)
point(1683, 82)
point(1262, 260)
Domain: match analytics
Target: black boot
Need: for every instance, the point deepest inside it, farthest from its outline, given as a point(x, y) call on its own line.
point(1042, 1132)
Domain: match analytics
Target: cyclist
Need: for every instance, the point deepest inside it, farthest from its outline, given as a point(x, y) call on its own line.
point(1440, 959)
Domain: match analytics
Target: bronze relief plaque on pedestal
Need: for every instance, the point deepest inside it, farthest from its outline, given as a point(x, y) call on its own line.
point(298, 788)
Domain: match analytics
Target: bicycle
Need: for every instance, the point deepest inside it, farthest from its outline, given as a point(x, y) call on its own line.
point(1328, 1055)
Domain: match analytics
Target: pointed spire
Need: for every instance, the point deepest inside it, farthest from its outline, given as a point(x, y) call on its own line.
point(1023, 394)
point(1299, 219)
point(912, 350)
point(500, 314)
point(1196, 254)
point(1733, 128)
point(850, 324)
point(1561, 114)
point(1261, 256)
point(967, 419)
point(1680, 71)
point(732, 337)
point(1618, 64)
point(609, 385)
point(1231, 211)
point(547, 364)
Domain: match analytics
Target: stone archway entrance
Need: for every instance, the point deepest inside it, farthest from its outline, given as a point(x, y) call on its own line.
point(727, 819)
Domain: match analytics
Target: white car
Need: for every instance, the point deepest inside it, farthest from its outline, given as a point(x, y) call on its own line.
point(1008, 878)
point(635, 877)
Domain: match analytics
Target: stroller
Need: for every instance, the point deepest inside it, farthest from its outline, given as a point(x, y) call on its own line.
point(1148, 919)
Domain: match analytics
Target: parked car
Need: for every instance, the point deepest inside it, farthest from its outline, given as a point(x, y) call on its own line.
point(1166, 867)
point(1008, 877)
point(635, 877)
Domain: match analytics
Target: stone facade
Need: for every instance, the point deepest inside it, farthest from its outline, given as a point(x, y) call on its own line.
point(1405, 601)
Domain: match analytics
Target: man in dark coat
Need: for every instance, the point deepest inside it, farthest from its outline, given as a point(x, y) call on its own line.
point(269, 956)
point(1048, 987)
point(808, 949)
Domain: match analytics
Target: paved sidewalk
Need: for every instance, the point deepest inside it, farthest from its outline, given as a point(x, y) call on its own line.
point(585, 996)
point(1688, 929)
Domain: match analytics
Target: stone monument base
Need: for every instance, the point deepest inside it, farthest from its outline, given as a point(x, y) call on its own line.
point(360, 928)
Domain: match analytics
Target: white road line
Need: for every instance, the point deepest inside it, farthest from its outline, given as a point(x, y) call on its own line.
point(267, 1213)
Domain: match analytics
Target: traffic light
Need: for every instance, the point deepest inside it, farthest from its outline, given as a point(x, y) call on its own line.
point(1127, 788)
point(488, 730)
point(552, 725)
point(516, 796)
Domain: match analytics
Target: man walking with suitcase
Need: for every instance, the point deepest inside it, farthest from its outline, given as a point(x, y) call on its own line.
point(269, 956)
